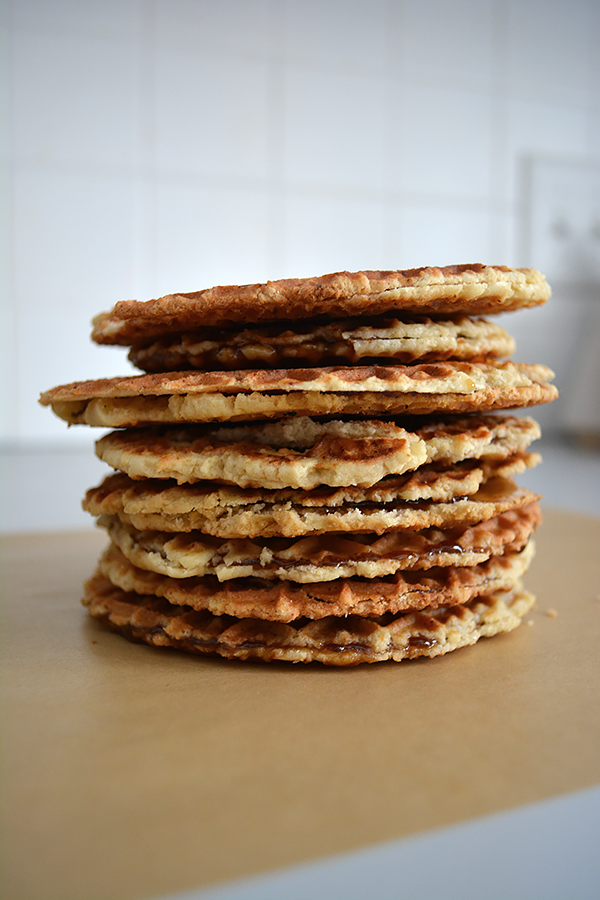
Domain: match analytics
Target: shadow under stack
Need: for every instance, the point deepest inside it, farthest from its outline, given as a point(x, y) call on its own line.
point(316, 469)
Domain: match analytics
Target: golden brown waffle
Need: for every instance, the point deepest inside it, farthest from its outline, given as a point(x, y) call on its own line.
point(309, 469)
point(231, 513)
point(336, 641)
point(312, 343)
point(323, 557)
point(470, 289)
point(454, 387)
point(157, 505)
point(304, 453)
point(285, 601)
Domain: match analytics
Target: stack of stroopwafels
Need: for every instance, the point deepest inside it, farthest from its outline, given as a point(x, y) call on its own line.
point(316, 469)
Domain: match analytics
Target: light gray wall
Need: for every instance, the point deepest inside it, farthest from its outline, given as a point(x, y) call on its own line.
point(160, 145)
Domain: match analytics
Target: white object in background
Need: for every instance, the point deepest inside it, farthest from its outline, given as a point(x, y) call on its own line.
point(563, 241)
point(564, 223)
point(582, 407)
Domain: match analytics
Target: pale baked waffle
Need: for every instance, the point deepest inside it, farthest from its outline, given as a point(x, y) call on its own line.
point(338, 641)
point(316, 343)
point(230, 511)
point(305, 453)
point(235, 513)
point(322, 557)
point(287, 601)
point(314, 469)
point(422, 389)
point(472, 289)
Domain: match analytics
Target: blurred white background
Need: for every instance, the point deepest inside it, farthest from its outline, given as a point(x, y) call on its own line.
point(160, 145)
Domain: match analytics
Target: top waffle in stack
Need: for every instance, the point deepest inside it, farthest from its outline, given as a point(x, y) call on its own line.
point(350, 404)
point(413, 345)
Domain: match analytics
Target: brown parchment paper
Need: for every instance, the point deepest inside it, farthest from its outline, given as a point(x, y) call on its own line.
point(130, 772)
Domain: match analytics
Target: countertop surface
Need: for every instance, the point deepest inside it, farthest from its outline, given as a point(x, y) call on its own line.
point(134, 773)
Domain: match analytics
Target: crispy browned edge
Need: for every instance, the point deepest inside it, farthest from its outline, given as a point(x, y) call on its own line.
point(287, 601)
point(335, 294)
point(341, 641)
point(256, 380)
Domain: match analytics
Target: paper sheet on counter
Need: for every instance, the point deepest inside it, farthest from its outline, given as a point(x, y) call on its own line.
point(132, 772)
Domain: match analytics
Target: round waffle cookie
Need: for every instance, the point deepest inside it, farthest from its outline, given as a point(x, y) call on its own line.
point(287, 601)
point(234, 513)
point(322, 557)
point(340, 641)
point(228, 511)
point(473, 289)
point(305, 453)
point(311, 343)
point(445, 387)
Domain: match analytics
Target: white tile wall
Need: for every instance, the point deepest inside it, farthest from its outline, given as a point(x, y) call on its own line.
point(344, 35)
point(110, 18)
point(447, 43)
point(158, 145)
point(66, 108)
point(545, 128)
point(211, 115)
point(209, 234)
point(444, 233)
point(332, 233)
point(234, 27)
point(334, 129)
point(594, 88)
point(550, 48)
point(443, 135)
point(73, 237)
point(8, 362)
